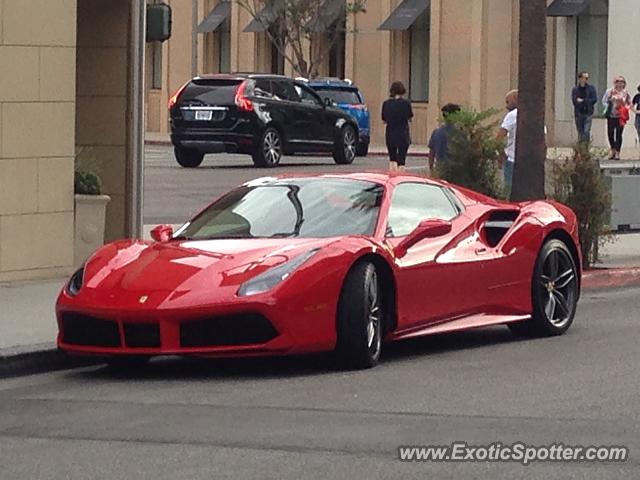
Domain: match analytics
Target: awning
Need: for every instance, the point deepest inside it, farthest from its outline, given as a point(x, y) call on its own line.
point(405, 15)
point(215, 18)
point(567, 8)
point(332, 10)
point(263, 20)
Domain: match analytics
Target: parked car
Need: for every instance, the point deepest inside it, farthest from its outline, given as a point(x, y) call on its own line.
point(265, 116)
point(331, 262)
point(350, 99)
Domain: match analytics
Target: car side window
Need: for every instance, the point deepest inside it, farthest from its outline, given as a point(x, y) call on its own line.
point(306, 96)
point(412, 203)
point(283, 90)
point(263, 89)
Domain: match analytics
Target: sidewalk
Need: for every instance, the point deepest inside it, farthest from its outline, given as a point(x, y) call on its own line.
point(152, 138)
point(27, 318)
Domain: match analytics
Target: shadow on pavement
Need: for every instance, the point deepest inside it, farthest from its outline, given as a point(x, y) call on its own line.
point(176, 368)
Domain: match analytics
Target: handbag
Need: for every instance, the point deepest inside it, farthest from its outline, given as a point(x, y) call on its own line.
point(624, 115)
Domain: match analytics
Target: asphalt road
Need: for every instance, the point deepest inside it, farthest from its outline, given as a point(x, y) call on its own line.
point(295, 418)
point(173, 194)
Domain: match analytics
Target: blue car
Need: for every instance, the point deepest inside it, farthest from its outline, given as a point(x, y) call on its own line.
point(347, 96)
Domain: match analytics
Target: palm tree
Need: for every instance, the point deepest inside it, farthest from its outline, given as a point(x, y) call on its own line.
point(528, 175)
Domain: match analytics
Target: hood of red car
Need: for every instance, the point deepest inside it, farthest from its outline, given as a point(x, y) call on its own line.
point(168, 271)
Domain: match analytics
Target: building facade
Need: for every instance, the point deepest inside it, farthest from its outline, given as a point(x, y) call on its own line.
point(69, 82)
point(461, 51)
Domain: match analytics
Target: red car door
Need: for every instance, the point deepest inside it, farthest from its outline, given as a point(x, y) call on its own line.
point(438, 278)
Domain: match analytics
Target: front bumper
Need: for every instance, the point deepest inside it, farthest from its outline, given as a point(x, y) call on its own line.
point(239, 329)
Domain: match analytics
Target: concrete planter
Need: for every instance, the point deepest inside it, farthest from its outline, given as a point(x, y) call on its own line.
point(90, 216)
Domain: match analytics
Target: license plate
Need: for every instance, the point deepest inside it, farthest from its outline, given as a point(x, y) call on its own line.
point(203, 114)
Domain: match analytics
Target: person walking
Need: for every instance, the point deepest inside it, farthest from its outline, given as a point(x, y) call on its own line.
point(396, 114)
point(636, 109)
point(508, 131)
point(584, 97)
point(439, 140)
point(616, 101)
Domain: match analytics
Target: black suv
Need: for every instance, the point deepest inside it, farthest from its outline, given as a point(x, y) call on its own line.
point(265, 116)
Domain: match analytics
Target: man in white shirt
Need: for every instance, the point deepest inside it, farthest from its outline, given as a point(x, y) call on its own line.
point(508, 131)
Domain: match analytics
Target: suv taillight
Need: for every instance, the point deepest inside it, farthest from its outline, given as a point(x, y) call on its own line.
point(242, 102)
point(174, 98)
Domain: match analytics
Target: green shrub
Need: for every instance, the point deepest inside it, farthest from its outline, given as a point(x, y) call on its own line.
point(86, 179)
point(86, 183)
point(473, 152)
point(579, 184)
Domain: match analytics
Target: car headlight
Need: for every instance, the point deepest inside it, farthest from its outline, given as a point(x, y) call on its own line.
point(75, 283)
point(269, 279)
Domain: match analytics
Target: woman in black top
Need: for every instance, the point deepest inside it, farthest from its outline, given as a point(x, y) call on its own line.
point(636, 109)
point(396, 114)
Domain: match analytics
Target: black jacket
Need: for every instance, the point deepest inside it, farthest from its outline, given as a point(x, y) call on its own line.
point(585, 107)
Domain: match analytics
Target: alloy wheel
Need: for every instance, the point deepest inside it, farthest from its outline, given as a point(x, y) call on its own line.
point(349, 144)
point(271, 147)
point(558, 284)
point(374, 314)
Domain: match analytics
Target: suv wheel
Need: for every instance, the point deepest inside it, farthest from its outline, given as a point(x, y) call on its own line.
point(345, 148)
point(362, 150)
point(188, 158)
point(269, 150)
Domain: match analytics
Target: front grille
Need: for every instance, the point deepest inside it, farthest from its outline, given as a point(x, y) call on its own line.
point(244, 329)
point(79, 329)
point(142, 335)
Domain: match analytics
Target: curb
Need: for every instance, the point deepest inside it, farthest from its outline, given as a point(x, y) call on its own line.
point(598, 278)
point(372, 153)
point(20, 361)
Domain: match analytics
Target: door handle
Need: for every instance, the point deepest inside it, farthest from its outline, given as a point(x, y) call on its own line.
point(481, 250)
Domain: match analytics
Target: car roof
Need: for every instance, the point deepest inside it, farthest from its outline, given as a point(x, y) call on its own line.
point(375, 176)
point(241, 76)
point(332, 83)
point(385, 177)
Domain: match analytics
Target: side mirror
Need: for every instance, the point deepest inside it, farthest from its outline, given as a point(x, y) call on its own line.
point(327, 102)
point(431, 228)
point(162, 233)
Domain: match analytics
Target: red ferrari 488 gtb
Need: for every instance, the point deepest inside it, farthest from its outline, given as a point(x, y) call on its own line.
point(345, 262)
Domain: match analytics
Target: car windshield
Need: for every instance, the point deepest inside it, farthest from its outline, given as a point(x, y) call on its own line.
point(305, 208)
point(339, 95)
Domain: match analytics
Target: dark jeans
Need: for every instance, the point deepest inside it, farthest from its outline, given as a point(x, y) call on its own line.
point(583, 125)
point(614, 130)
point(398, 152)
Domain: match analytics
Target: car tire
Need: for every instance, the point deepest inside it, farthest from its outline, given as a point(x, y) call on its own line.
point(188, 158)
point(360, 320)
point(555, 289)
point(269, 150)
point(344, 150)
point(128, 363)
point(362, 150)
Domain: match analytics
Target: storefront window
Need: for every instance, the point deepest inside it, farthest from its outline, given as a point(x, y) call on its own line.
point(419, 59)
point(224, 37)
point(592, 42)
point(156, 65)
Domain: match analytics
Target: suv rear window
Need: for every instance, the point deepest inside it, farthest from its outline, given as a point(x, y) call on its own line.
point(210, 91)
point(336, 95)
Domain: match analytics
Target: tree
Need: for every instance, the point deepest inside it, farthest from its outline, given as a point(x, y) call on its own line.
point(528, 175)
point(473, 151)
point(303, 31)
